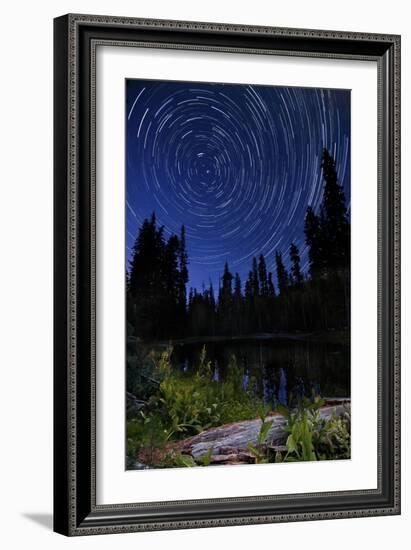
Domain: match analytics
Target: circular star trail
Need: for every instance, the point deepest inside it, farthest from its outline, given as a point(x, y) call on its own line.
point(238, 165)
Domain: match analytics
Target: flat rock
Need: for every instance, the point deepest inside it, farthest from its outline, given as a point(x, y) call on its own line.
point(229, 442)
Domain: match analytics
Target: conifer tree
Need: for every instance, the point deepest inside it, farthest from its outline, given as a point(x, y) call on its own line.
point(313, 240)
point(237, 304)
point(282, 274)
point(146, 278)
point(334, 218)
point(183, 265)
point(237, 287)
point(255, 285)
point(297, 276)
point(226, 288)
point(270, 284)
point(328, 233)
point(262, 276)
point(225, 300)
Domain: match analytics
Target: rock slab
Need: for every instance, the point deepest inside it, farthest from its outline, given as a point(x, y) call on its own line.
point(229, 442)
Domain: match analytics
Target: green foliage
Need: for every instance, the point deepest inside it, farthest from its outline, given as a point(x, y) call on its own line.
point(260, 451)
point(186, 408)
point(312, 437)
point(335, 440)
point(189, 405)
point(141, 371)
point(145, 432)
point(179, 460)
point(183, 460)
point(205, 459)
point(301, 426)
point(204, 367)
point(186, 405)
point(163, 364)
point(300, 440)
point(233, 387)
point(133, 440)
point(263, 433)
point(245, 408)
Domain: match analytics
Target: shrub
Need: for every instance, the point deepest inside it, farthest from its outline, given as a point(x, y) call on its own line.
point(312, 437)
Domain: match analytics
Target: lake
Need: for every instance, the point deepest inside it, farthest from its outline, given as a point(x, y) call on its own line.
point(275, 366)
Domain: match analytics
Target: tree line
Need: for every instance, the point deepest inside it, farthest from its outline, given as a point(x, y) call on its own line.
point(158, 306)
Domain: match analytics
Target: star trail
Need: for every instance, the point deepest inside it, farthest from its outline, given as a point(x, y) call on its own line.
point(237, 164)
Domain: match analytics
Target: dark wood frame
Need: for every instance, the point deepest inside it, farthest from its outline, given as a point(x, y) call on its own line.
point(76, 38)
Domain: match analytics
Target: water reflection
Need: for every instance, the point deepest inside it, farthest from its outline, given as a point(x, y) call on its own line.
point(282, 392)
point(273, 369)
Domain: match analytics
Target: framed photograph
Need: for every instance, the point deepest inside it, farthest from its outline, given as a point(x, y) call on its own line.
point(227, 277)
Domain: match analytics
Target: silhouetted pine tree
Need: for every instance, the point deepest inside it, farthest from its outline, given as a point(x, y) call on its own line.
point(154, 293)
point(270, 285)
point(249, 303)
point(262, 276)
point(238, 305)
point(183, 265)
point(328, 239)
point(334, 219)
point(328, 234)
point(226, 287)
point(170, 298)
point(296, 275)
point(282, 274)
point(180, 319)
point(313, 240)
point(225, 301)
point(255, 285)
point(145, 265)
point(146, 279)
point(212, 310)
point(248, 286)
point(237, 287)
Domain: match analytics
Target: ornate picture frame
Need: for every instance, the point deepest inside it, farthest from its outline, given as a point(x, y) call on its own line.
point(76, 40)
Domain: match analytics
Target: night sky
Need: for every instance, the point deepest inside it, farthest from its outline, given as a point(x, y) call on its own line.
point(236, 164)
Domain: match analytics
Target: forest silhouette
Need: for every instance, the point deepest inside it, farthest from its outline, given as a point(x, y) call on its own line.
point(160, 308)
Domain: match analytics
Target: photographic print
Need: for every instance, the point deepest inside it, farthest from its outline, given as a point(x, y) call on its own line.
point(237, 274)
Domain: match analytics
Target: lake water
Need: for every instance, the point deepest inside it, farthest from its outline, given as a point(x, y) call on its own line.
point(274, 368)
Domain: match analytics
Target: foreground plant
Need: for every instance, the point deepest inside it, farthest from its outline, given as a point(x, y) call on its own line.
point(183, 460)
point(312, 437)
point(187, 404)
point(260, 451)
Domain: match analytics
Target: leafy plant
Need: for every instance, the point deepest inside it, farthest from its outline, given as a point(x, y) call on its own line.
point(184, 460)
point(204, 366)
point(143, 376)
point(260, 451)
point(312, 437)
point(180, 460)
point(300, 440)
point(335, 439)
point(191, 404)
point(205, 459)
point(145, 433)
point(163, 363)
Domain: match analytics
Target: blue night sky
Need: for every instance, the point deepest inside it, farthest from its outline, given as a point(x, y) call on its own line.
point(236, 164)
